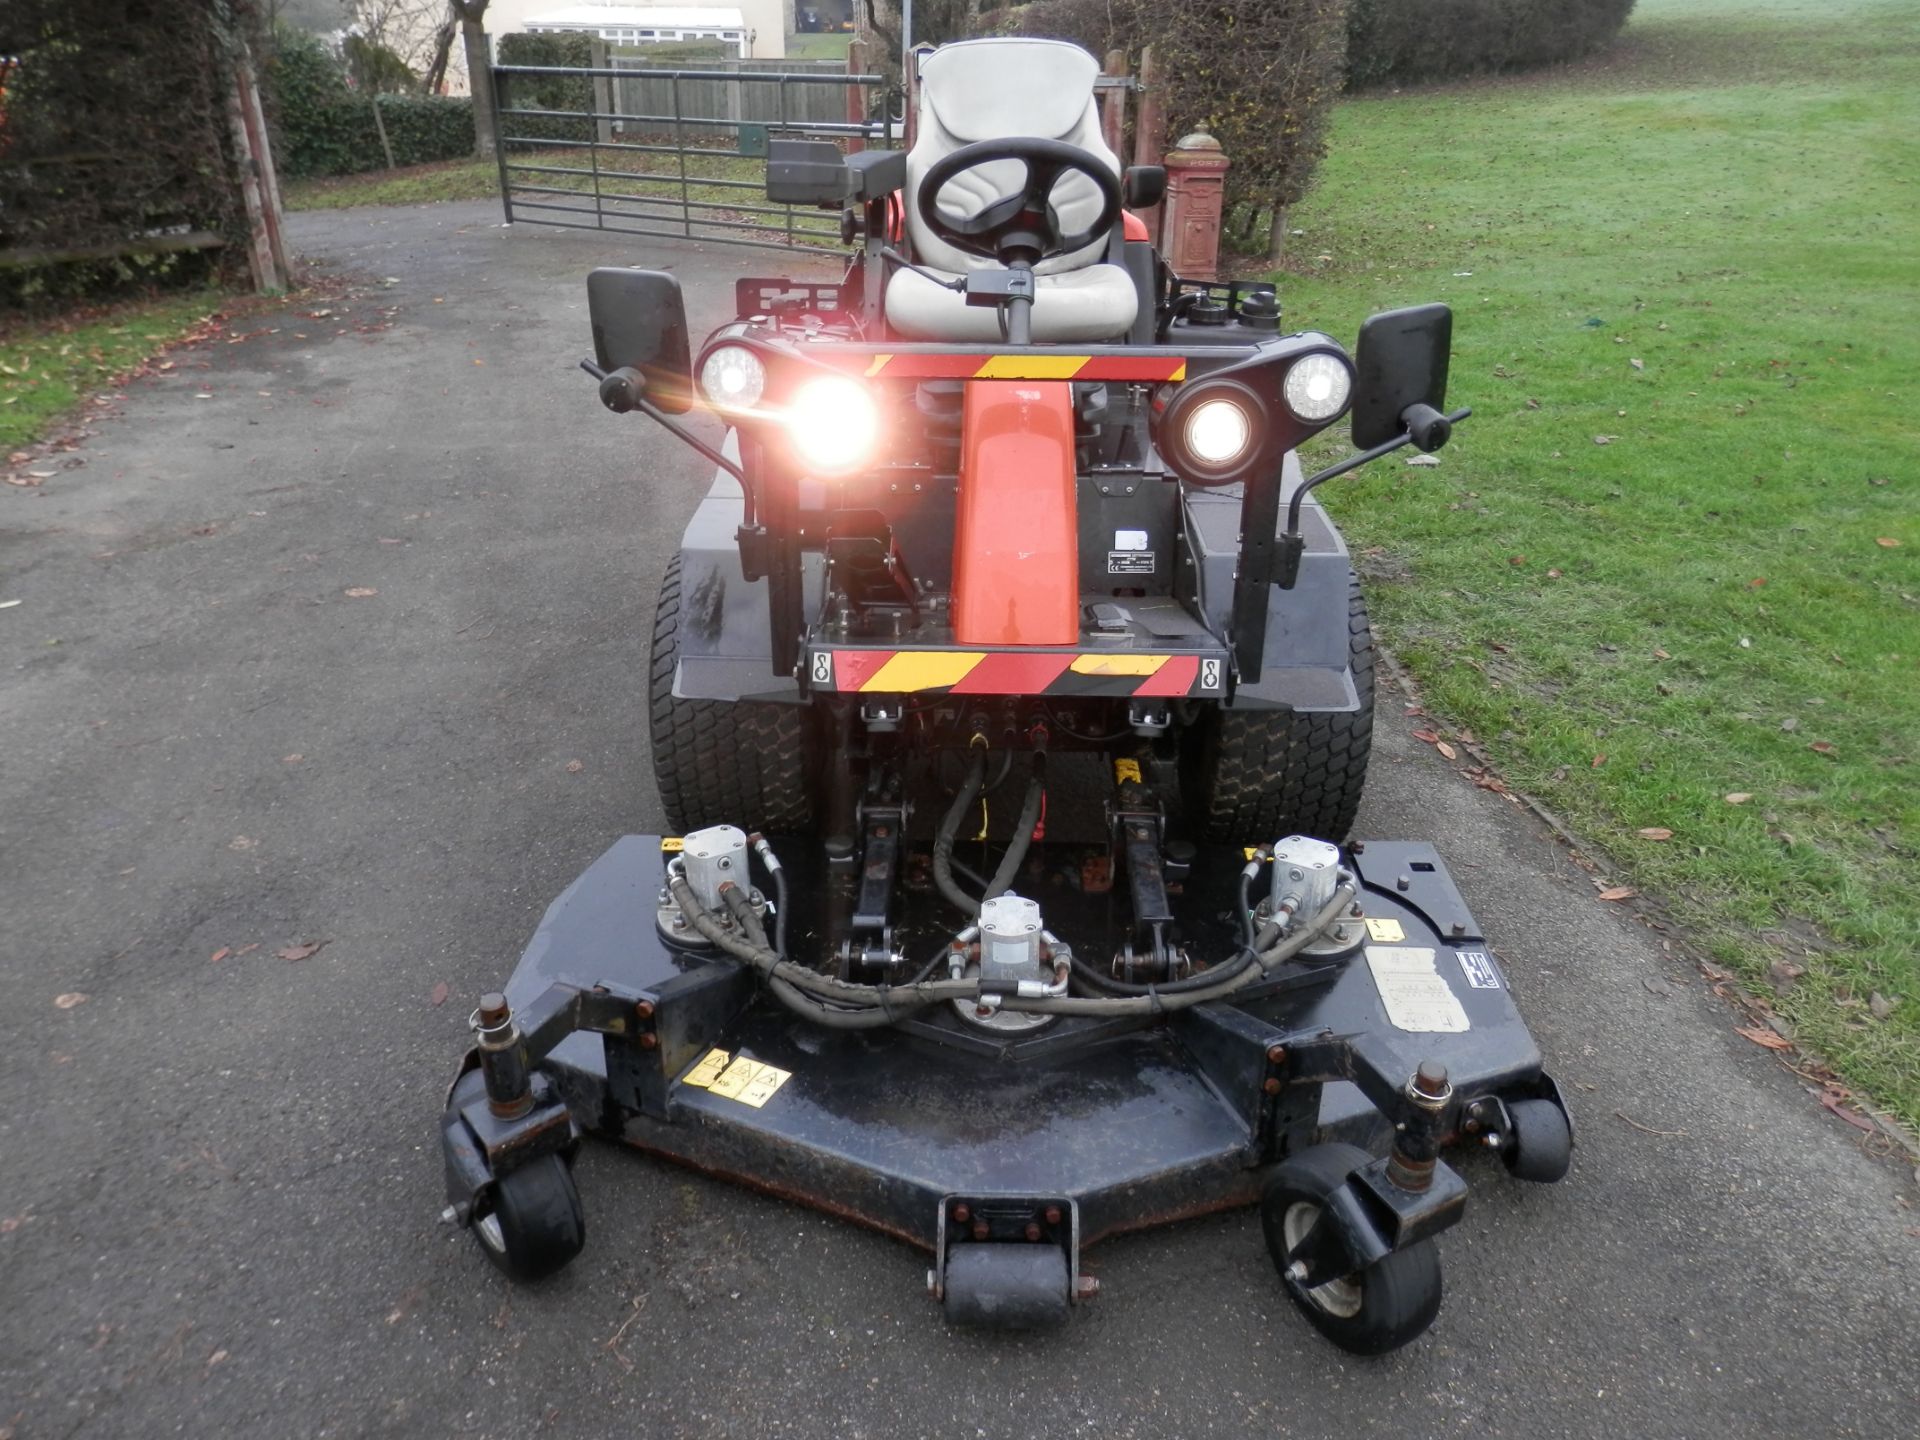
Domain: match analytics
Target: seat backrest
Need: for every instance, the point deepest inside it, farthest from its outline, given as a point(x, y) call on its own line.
point(990, 89)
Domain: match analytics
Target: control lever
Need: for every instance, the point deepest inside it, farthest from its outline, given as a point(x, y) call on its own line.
point(625, 390)
point(1425, 429)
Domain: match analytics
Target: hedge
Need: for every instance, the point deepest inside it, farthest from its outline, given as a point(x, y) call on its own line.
point(546, 92)
point(1260, 75)
point(325, 128)
point(1398, 40)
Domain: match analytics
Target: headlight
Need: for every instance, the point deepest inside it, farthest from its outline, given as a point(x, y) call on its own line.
point(1218, 432)
point(1210, 431)
point(733, 378)
point(833, 423)
point(1317, 387)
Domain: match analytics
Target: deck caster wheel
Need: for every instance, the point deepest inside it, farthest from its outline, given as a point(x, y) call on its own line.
point(534, 1226)
point(1007, 1287)
point(1371, 1311)
point(1540, 1148)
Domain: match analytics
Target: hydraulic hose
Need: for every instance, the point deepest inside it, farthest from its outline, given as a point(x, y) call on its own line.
point(1161, 999)
point(1023, 827)
point(949, 833)
point(743, 947)
point(1248, 954)
point(845, 1004)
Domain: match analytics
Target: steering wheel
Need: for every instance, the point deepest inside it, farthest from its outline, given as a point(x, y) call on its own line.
point(1025, 221)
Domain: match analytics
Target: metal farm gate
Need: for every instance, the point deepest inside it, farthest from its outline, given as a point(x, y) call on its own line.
point(681, 154)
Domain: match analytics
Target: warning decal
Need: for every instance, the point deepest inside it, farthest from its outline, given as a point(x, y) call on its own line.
point(708, 1070)
point(748, 1081)
point(1387, 932)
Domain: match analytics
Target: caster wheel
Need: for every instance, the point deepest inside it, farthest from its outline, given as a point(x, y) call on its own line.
point(1007, 1287)
point(1370, 1311)
point(1541, 1146)
point(534, 1226)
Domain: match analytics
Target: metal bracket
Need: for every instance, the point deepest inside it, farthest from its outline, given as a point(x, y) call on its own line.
point(1009, 1220)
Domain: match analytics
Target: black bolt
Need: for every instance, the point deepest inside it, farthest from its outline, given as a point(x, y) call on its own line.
point(1405, 882)
point(1459, 928)
point(1431, 1078)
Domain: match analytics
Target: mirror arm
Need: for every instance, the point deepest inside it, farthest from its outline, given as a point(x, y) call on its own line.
point(1292, 543)
point(628, 393)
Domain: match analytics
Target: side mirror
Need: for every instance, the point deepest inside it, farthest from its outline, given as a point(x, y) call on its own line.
point(640, 322)
point(1143, 186)
point(1401, 361)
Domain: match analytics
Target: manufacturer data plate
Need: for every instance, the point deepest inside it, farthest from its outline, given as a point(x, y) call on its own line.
point(1478, 967)
point(1130, 562)
point(1416, 995)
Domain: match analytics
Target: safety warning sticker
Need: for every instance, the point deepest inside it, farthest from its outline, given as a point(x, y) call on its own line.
point(1415, 994)
point(1387, 932)
point(708, 1070)
point(1477, 966)
point(749, 1081)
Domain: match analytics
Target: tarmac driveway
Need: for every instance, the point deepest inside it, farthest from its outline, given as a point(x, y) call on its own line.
point(218, 1173)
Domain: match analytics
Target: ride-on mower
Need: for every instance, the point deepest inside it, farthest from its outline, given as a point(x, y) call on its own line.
point(1011, 698)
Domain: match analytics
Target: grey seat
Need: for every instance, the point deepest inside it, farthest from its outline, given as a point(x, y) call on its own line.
point(989, 90)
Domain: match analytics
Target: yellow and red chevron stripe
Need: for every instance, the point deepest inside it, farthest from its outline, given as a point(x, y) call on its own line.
point(1015, 672)
point(1019, 365)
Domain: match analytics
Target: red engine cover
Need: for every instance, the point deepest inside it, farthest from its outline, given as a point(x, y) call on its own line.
point(1016, 554)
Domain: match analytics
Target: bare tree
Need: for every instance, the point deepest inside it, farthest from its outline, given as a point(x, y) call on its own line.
point(473, 38)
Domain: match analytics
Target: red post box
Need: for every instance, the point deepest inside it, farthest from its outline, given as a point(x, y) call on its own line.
point(1196, 197)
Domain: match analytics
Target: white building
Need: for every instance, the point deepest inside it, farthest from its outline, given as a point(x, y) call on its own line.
point(757, 29)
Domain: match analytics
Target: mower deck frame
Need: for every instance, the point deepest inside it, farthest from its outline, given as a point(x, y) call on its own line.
point(1107, 1127)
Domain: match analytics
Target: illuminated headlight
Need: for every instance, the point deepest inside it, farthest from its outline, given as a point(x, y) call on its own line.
point(833, 423)
point(1317, 387)
point(733, 378)
point(1218, 432)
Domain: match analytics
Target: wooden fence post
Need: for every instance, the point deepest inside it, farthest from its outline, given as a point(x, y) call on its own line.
point(603, 91)
point(856, 98)
point(259, 183)
point(1150, 131)
point(1113, 104)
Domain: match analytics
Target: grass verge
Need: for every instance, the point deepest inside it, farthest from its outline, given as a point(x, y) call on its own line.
point(47, 366)
point(1669, 575)
point(409, 185)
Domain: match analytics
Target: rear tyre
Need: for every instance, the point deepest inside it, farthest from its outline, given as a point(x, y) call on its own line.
point(1370, 1311)
point(723, 762)
point(1254, 775)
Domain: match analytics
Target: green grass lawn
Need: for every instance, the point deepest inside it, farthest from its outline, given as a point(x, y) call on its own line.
point(47, 366)
point(1675, 557)
point(818, 46)
point(567, 171)
point(409, 185)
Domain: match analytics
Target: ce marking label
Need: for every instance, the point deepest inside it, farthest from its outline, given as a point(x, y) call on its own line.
point(823, 667)
point(1209, 674)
